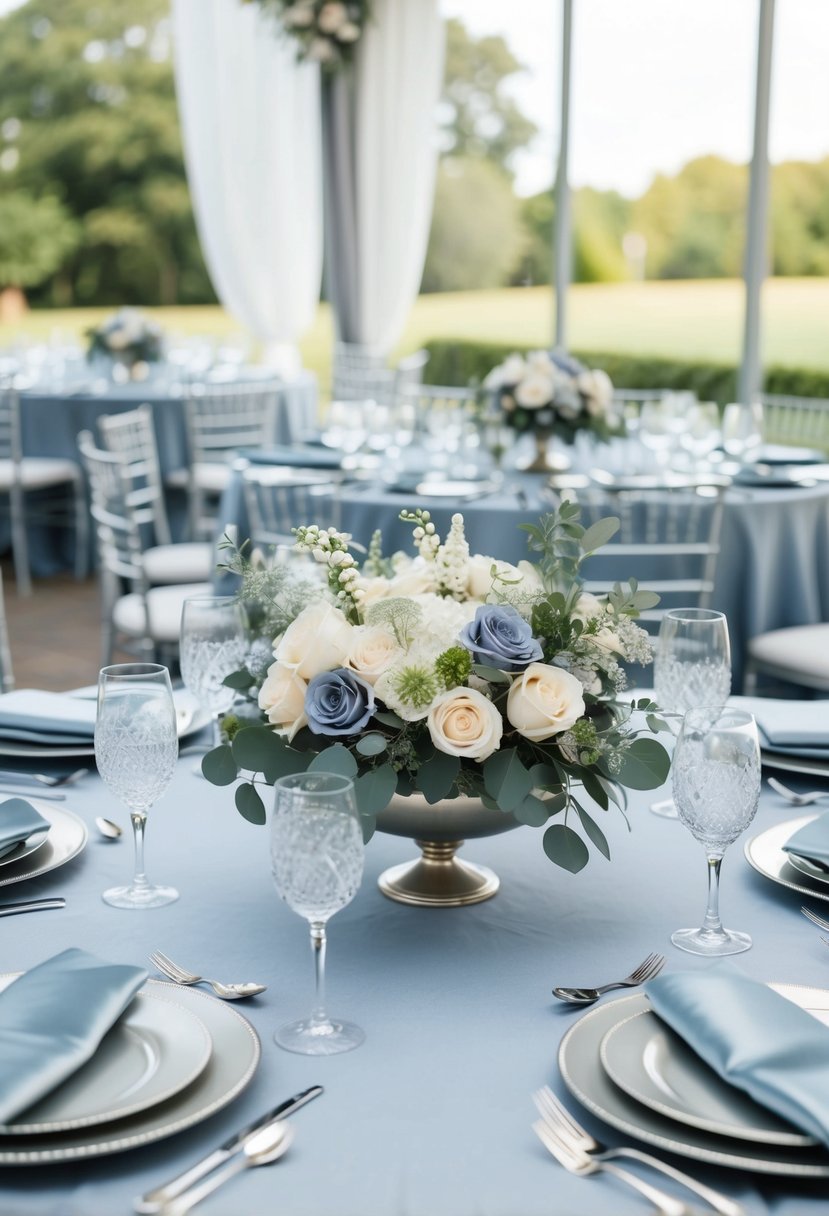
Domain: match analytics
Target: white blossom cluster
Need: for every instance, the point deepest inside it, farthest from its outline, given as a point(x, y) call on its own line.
point(331, 548)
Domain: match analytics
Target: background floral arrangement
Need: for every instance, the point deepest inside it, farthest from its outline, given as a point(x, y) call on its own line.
point(552, 392)
point(127, 336)
point(447, 674)
point(326, 31)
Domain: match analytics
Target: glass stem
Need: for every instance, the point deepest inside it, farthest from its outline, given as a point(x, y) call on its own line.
point(712, 922)
point(319, 1018)
point(139, 880)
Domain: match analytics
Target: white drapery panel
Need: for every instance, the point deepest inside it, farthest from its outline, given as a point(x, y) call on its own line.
point(251, 129)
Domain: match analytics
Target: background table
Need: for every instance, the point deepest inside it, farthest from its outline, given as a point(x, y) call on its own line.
point(432, 1115)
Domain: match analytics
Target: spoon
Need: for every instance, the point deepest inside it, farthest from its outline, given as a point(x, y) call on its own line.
point(793, 797)
point(107, 828)
point(262, 1148)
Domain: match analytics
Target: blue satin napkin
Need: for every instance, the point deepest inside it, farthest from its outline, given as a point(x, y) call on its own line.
point(796, 728)
point(32, 716)
point(753, 1038)
point(52, 1019)
point(18, 821)
point(812, 840)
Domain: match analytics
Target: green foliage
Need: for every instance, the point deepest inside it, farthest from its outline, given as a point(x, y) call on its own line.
point(453, 666)
point(37, 235)
point(600, 220)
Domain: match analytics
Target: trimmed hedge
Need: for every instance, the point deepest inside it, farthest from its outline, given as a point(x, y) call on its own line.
point(460, 361)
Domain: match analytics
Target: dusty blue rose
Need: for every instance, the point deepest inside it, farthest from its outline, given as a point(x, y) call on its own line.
point(500, 637)
point(338, 703)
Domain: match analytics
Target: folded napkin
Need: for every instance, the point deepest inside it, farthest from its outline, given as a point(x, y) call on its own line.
point(753, 1038)
point(46, 717)
point(52, 1019)
point(299, 458)
point(796, 727)
point(812, 840)
point(18, 821)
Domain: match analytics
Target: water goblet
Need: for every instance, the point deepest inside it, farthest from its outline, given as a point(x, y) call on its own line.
point(716, 782)
point(136, 748)
point(742, 431)
point(692, 666)
point(317, 864)
point(213, 645)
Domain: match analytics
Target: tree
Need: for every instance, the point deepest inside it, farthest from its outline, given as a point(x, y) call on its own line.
point(36, 235)
point(600, 220)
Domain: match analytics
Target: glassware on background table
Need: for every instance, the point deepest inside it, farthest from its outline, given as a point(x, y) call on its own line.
point(702, 435)
point(691, 667)
point(742, 431)
point(317, 864)
point(716, 783)
point(213, 644)
point(136, 748)
point(345, 426)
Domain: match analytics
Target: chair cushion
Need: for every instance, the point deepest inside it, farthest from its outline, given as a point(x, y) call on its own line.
point(803, 650)
point(184, 563)
point(164, 608)
point(212, 478)
point(38, 472)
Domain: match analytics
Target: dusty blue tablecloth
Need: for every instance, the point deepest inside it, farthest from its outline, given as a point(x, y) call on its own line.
point(432, 1115)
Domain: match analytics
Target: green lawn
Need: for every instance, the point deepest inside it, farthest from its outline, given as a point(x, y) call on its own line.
point(688, 320)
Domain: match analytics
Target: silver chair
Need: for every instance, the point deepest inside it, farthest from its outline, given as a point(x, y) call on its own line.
point(796, 421)
point(6, 673)
point(138, 616)
point(361, 373)
point(221, 419)
point(131, 435)
point(23, 476)
point(278, 499)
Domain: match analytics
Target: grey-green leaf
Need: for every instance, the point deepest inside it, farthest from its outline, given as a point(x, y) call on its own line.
point(436, 776)
point(600, 533)
point(253, 746)
point(506, 779)
point(645, 765)
point(374, 790)
point(491, 674)
point(336, 759)
point(240, 680)
point(248, 803)
point(565, 848)
point(371, 744)
point(532, 811)
point(593, 830)
point(219, 767)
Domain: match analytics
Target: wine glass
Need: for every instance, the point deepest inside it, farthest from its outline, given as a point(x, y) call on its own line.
point(716, 782)
point(213, 645)
point(317, 863)
point(136, 748)
point(742, 430)
point(692, 666)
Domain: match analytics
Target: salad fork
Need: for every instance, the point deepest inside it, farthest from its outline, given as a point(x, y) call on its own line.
point(793, 797)
point(646, 970)
point(560, 1123)
point(227, 992)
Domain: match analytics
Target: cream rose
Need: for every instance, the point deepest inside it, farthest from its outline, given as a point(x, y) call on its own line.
point(544, 701)
point(480, 581)
point(463, 722)
point(282, 696)
point(373, 589)
point(316, 641)
point(372, 651)
point(508, 372)
point(587, 606)
point(534, 391)
point(608, 639)
point(332, 16)
point(413, 578)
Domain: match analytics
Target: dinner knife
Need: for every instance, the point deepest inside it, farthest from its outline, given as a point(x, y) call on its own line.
point(32, 905)
point(48, 795)
point(154, 1200)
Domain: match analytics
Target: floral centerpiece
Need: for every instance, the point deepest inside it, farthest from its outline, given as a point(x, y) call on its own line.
point(551, 393)
point(326, 31)
point(129, 339)
point(447, 676)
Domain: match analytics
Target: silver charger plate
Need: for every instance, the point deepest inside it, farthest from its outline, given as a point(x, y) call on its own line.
point(231, 1066)
point(765, 853)
point(811, 868)
point(652, 1064)
point(151, 1053)
point(67, 837)
point(809, 767)
point(30, 845)
point(587, 1081)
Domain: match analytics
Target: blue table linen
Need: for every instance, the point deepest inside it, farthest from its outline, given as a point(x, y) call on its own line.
point(30, 715)
point(753, 1038)
point(18, 821)
point(52, 1019)
point(311, 457)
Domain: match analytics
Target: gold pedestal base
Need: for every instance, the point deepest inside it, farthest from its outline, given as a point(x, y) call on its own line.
point(438, 879)
point(547, 459)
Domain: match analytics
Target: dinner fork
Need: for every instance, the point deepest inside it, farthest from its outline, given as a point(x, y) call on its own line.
point(227, 992)
point(815, 919)
point(581, 1164)
point(793, 797)
point(646, 970)
point(557, 1118)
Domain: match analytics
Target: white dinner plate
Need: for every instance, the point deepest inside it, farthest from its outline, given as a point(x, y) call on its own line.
point(588, 1082)
point(30, 845)
point(646, 1059)
point(151, 1053)
point(231, 1066)
point(787, 763)
point(67, 837)
point(766, 854)
point(812, 869)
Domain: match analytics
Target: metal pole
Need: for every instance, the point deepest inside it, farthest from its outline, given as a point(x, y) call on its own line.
point(751, 375)
point(562, 236)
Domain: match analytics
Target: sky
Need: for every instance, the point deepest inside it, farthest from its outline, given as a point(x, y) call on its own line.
point(656, 82)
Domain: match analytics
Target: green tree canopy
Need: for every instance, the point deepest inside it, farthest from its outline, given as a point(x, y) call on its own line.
point(36, 236)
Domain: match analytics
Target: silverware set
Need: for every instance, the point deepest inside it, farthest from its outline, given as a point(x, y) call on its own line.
point(647, 969)
point(227, 992)
point(32, 905)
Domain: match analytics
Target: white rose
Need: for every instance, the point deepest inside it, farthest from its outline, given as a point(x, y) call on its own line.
point(332, 16)
point(510, 371)
point(597, 387)
point(463, 722)
point(540, 361)
point(373, 589)
point(282, 696)
point(414, 578)
point(117, 339)
point(544, 701)
point(348, 32)
point(534, 391)
point(373, 650)
point(530, 576)
point(317, 640)
point(588, 606)
point(608, 639)
point(480, 582)
point(299, 16)
point(322, 51)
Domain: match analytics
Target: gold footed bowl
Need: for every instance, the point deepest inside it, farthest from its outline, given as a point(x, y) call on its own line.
point(548, 458)
point(439, 879)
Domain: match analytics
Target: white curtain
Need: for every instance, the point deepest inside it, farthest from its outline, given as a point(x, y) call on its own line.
point(251, 129)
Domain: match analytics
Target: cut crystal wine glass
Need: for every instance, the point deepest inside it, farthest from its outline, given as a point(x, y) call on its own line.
point(317, 863)
point(213, 645)
point(692, 666)
point(136, 748)
point(716, 782)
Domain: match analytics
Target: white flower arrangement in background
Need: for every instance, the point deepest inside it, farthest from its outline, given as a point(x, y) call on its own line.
point(552, 392)
point(326, 31)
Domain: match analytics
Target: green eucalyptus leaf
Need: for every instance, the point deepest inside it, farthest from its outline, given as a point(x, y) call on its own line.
point(592, 829)
point(506, 779)
point(253, 746)
point(248, 803)
point(219, 767)
point(532, 811)
point(565, 848)
point(374, 790)
point(644, 765)
point(388, 718)
point(284, 761)
point(368, 826)
point(336, 759)
point(240, 680)
point(371, 744)
point(491, 674)
point(600, 533)
point(546, 777)
point(593, 787)
point(436, 777)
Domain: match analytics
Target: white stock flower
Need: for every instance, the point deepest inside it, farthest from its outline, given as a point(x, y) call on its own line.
point(544, 701)
point(331, 16)
point(316, 641)
point(373, 650)
point(282, 696)
point(534, 391)
point(463, 722)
